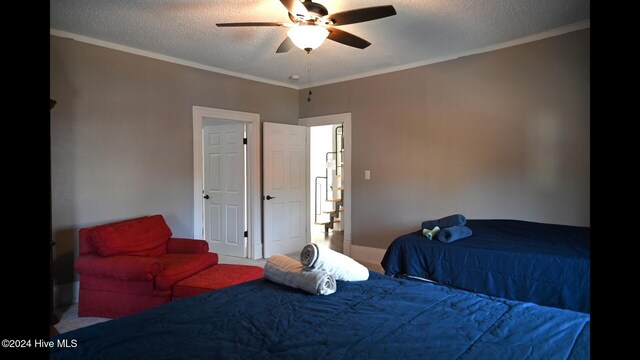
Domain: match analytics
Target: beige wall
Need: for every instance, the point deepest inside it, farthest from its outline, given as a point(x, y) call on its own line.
point(503, 134)
point(121, 136)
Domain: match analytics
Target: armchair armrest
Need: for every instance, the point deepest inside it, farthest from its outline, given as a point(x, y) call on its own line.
point(120, 266)
point(187, 246)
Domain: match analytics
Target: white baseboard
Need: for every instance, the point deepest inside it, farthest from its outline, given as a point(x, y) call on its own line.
point(367, 254)
point(66, 294)
point(257, 251)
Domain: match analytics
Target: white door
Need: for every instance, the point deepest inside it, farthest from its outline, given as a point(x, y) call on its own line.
point(224, 192)
point(285, 206)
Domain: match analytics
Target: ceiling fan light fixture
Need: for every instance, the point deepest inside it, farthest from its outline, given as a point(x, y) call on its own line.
point(308, 37)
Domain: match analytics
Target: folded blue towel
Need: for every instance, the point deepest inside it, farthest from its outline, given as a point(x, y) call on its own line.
point(447, 221)
point(453, 233)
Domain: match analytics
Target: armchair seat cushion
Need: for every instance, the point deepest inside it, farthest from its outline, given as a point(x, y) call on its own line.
point(177, 267)
point(122, 267)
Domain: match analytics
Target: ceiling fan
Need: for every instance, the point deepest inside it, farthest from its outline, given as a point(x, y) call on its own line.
point(312, 24)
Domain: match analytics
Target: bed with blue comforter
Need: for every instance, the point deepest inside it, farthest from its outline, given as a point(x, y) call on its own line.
point(546, 264)
point(380, 318)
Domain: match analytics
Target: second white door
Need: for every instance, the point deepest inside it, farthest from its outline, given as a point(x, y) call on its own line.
point(224, 193)
point(284, 191)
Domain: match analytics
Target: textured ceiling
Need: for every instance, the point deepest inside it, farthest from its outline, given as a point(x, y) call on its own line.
point(423, 31)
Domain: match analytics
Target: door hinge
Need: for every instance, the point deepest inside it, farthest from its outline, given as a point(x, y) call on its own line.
point(244, 141)
point(246, 234)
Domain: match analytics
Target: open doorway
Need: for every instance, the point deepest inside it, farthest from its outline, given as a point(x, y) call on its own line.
point(329, 180)
point(326, 170)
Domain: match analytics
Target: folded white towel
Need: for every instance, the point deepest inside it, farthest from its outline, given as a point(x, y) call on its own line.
point(340, 266)
point(284, 270)
point(431, 234)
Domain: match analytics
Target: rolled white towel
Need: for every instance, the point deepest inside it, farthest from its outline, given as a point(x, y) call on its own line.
point(340, 266)
point(284, 270)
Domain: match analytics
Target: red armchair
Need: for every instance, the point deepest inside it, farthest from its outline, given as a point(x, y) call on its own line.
point(132, 265)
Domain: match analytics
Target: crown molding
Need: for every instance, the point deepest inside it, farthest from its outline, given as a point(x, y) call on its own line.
point(527, 39)
point(171, 59)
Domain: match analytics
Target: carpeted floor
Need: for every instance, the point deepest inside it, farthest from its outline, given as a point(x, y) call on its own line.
point(69, 319)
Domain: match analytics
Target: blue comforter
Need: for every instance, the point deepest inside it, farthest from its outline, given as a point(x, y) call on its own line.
point(542, 263)
point(381, 318)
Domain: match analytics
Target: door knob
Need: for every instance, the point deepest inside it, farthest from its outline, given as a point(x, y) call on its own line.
point(269, 197)
point(206, 196)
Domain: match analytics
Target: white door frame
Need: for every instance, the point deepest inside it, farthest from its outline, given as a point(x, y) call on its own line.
point(345, 120)
point(254, 214)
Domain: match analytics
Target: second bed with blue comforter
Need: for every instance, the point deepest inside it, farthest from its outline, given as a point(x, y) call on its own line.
point(546, 264)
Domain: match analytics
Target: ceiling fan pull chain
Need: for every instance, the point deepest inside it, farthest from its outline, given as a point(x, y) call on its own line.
point(309, 75)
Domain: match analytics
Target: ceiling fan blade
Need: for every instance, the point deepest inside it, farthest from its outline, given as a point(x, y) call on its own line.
point(346, 38)
point(250, 24)
point(295, 7)
point(361, 15)
point(285, 46)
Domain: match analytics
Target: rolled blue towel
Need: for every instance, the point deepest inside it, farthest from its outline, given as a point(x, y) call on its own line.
point(453, 233)
point(445, 222)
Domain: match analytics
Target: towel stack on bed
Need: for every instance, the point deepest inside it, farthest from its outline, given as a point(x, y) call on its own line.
point(340, 266)
point(447, 229)
point(284, 270)
point(316, 272)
